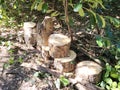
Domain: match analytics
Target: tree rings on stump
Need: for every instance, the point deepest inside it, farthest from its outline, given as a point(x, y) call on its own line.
point(65, 64)
point(59, 45)
point(88, 71)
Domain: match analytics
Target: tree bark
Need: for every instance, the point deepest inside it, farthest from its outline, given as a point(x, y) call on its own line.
point(59, 45)
point(65, 64)
point(44, 30)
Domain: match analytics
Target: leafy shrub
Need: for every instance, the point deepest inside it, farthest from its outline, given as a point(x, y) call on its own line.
point(111, 78)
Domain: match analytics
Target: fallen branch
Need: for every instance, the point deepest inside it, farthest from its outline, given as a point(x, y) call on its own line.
point(90, 56)
point(41, 68)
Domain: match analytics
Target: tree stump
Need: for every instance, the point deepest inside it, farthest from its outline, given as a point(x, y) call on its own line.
point(88, 71)
point(30, 34)
point(65, 64)
point(44, 30)
point(59, 45)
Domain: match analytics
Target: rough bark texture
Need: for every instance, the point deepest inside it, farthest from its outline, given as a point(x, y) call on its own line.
point(44, 30)
point(45, 52)
point(30, 34)
point(88, 71)
point(59, 45)
point(65, 64)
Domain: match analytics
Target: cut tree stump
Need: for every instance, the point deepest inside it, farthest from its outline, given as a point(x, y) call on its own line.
point(30, 34)
point(65, 64)
point(44, 30)
point(88, 71)
point(59, 45)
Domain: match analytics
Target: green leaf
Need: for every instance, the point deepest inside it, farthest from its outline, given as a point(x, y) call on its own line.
point(114, 75)
point(100, 21)
point(77, 7)
point(103, 84)
point(39, 7)
point(33, 5)
point(107, 87)
point(119, 78)
point(118, 84)
point(114, 21)
point(114, 84)
point(45, 7)
point(107, 74)
point(81, 12)
point(6, 65)
point(11, 61)
point(101, 3)
point(92, 16)
point(107, 43)
point(109, 81)
point(54, 14)
point(49, 11)
point(64, 81)
point(20, 60)
point(99, 41)
point(108, 67)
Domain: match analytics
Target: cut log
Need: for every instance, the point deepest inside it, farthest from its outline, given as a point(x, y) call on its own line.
point(88, 71)
point(59, 45)
point(30, 34)
point(66, 64)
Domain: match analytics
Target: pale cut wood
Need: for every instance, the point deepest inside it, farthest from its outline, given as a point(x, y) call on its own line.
point(88, 71)
point(59, 45)
point(65, 64)
point(30, 34)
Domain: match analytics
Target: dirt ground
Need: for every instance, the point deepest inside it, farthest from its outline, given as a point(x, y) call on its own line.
point(19, 65)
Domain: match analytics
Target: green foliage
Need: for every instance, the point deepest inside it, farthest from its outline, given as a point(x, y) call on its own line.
point(111, 78)
point(103, 41)
point(114, 21)
point(62, 81)
point(78, 8)
point(40, 5)
point(14, 12)
point(41, 75)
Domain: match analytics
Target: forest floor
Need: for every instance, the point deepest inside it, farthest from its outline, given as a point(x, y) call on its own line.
point(23, 69)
